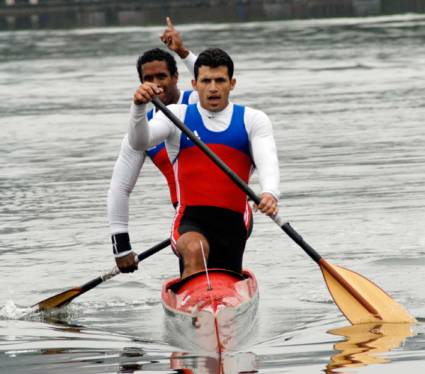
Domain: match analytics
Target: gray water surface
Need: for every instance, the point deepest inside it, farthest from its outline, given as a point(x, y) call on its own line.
point(346, 98)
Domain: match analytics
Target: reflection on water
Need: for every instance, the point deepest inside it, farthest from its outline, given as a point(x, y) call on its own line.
point(364, 343)
point(25, 346)
point(34, 347)
point(243, 362)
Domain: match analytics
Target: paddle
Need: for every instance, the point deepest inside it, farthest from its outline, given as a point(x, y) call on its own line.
point(360, 300)
point(66, 297)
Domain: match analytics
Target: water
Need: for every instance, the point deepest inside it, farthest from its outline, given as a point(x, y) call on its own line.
point(346, 99)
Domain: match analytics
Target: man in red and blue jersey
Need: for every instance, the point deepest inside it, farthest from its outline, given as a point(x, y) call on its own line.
point(209, 221)
point(159, 67)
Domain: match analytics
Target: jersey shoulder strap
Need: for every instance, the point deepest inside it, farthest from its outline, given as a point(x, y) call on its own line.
point(149, 114)
point(186, 96)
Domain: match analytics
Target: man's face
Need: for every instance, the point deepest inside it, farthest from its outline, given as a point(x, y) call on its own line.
point(157, 72)
point(213, 86)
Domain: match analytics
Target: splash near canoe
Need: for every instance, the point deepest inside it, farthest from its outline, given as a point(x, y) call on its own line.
point(211, 311)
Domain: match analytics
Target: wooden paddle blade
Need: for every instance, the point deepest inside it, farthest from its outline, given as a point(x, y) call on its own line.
point(59, 300)
point(360, 300)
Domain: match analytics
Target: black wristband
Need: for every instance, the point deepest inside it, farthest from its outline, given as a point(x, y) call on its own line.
point(120, 243)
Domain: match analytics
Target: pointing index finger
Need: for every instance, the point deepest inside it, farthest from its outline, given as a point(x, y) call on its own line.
point(170, 23)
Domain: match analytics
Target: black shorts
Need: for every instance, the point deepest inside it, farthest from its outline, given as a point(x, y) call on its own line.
point(224, 230)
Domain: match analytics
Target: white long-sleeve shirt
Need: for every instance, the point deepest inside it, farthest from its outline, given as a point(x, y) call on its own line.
point(143, 135)
point(127, 169)
point(124, 177)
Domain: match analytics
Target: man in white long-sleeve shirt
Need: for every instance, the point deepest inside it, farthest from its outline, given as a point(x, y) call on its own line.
point(159, 67)
point(209, 221)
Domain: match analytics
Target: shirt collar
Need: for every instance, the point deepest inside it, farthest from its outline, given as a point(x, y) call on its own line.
point(216, 115)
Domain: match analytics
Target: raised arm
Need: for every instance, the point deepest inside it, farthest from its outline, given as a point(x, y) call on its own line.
point(174, 41)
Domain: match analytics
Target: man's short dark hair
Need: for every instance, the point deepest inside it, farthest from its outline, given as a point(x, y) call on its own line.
point(156, 54)
point(213, 58)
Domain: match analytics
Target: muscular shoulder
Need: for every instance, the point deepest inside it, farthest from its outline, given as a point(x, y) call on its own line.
point(256, 121)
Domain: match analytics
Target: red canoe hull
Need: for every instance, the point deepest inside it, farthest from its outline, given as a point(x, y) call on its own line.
point(213, 313)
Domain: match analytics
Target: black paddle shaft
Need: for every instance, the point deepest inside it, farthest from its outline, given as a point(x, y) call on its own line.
point(67, 296)
point(141, 256)
point(156, 248)
point(285, 226)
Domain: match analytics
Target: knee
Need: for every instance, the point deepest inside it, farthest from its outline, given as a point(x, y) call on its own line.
point(192, 250)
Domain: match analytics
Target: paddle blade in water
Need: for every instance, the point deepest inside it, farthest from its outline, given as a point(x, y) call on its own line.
point(59, 300)
point(360, 300)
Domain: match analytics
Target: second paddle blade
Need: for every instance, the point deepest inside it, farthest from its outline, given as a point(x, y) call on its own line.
point(359, 299)
point(59, 300)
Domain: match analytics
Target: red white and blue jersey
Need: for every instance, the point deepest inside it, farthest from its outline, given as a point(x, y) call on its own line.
point(199, 181)
point(240, 136)
point(161, 159)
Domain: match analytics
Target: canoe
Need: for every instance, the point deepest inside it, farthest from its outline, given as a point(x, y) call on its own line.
point(211, 312)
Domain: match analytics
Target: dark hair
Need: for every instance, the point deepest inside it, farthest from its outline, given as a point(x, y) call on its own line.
point(156, 54)
point(214, 57)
